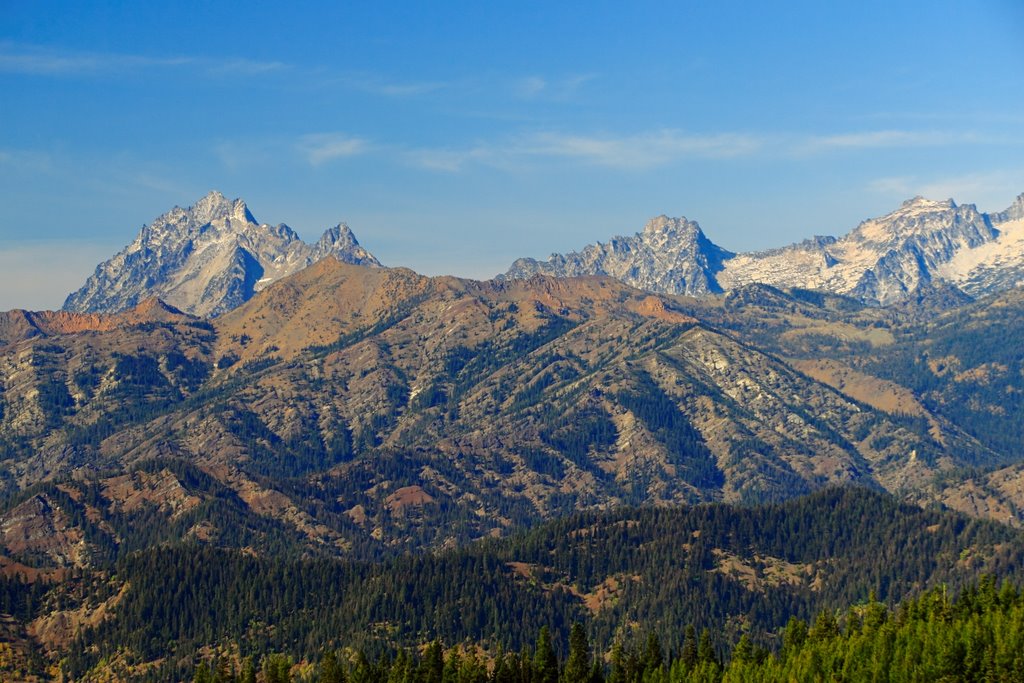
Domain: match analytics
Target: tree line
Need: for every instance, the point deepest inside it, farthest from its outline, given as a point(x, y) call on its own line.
point(978, 636)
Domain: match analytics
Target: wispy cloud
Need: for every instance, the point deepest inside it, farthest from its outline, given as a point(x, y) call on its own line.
point(530, 87)
point(450, 160)
point(39, 61)
point(990, 190)
point(632, 152)
point(36, 61)
point(320, 148)
point(313, 149)
point(556, 89)
point(243, 67)
point(642, 151)
point(651, 149)
point(45, 63)
point(26, 160)
point(373, 84)
point(376, 86)
point(877, 139)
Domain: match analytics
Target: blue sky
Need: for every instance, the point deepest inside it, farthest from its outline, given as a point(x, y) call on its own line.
point(454, 137)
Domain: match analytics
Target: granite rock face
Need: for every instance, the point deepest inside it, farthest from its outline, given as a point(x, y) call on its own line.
point(207, 259)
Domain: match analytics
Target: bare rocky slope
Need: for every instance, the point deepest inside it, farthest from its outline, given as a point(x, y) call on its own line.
point(882, 261)
point(207, 259)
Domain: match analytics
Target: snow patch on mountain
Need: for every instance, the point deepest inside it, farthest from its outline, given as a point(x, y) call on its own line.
point(881, 261)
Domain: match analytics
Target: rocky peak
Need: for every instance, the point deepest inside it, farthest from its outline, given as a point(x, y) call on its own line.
point(340, 243)
point(1014, 212)
point(663, 226)
point(918, 202)
point(672, 233)
point(215, 206)
point(881, 261)
point(206, 260)
point(670, 255)
point(340, 234)
point(919, 217)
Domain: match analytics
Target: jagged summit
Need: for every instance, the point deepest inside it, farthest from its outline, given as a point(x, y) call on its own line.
point(881, 261)
point(215, 206)
point(207, 259)
point(919, 202)
point(1014, 212)
point(670, 255)
point(341, 243)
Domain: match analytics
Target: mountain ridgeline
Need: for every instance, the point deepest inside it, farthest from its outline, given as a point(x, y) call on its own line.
point(882, 261)
point(213, 256)
point(361, 411)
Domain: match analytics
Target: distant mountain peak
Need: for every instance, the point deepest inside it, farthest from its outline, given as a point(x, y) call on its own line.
point(207, 259)
point(339, 235)
point(664, 227)
point(669, 255)
point(881, 261)
point(663, 224)
point(919, 202)
point(215, 206)
point(342, 244)
point(1014, 212)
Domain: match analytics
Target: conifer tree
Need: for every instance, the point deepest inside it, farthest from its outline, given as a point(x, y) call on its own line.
point(743, 653)
point(432, 664)
point(545, 663)
point(689, 654)
point(618, 661)
point(653, 657)
point(705, 650)
point(248, 671)
point(577, 665)
point(202, 674)
point(794, 636)
point(330, 670)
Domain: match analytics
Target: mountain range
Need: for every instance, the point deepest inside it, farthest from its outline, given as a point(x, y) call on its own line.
point(213, 256)
point(881, 261)
point(361, 413)
point(236, 398)
point(367, 409)
point(500, 403)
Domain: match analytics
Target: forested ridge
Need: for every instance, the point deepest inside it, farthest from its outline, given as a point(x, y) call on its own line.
point(503, 405)
point(723, 570)
point(978, 636)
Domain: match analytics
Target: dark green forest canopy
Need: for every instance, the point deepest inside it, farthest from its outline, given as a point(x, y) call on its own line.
point(977, 637)
point(722, 569)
